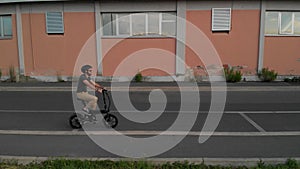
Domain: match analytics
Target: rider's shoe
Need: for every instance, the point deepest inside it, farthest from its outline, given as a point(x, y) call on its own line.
point(86, 110)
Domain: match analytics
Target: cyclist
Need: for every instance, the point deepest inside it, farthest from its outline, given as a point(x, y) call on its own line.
point(85, 82)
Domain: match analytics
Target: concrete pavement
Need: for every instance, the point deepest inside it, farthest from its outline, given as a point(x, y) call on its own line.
point(148, 86)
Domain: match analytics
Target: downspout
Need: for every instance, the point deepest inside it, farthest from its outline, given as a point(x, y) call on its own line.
point(98, 38)
point(261, 36)
point(180, 33)
point(20, 40)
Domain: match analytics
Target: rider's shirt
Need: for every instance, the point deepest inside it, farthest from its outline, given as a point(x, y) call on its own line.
point(81, 87)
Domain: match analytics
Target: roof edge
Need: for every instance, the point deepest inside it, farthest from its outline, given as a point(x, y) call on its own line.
point(20, 1)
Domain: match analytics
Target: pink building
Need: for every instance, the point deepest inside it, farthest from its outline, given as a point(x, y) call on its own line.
point(44, 38)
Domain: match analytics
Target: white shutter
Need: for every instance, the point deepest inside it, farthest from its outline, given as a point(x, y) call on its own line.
point(221, 19)
point(54, 22)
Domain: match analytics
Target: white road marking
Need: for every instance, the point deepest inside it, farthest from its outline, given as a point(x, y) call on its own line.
point(227, 112)
point(146, 133)
point(259, 128)
point(164, 88)
point(264, 112)
point(36, 111)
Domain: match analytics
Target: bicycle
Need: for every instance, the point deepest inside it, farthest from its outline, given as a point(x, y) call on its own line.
point(76, 120)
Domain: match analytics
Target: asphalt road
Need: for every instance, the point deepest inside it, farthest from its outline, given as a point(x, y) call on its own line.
point(256, 124)
point(235, 101)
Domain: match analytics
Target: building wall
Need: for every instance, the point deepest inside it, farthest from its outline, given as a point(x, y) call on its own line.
point(137, 6)
point(47, 54)
point(239, 46)
point(148, 55)
point(282, 53)
point(158, 53)
point(9, 47)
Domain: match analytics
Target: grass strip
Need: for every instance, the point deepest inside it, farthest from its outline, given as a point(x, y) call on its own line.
point(107, 164)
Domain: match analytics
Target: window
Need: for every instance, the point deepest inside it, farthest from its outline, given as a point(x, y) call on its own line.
point(139, 24)
point(221, 19)
point(272, 21)
point(297, 23)
point(110, 27)
point(5, 26)
point(282, 23)
point(286, 24)
point(54, 23)
point(123, 24)
point(153, 23)
point(168, 24)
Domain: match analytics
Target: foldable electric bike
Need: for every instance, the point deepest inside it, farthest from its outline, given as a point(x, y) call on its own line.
point(78, 119)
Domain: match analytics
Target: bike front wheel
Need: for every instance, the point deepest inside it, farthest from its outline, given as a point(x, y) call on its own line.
point(111, 120)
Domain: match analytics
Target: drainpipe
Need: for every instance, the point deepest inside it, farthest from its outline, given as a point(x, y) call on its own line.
point(98, 37)
point(261, 35)
point(20, 40)
point(180, 33)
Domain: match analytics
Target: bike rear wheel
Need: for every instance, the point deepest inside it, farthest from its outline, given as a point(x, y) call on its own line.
point(74, 122)
point(111, 120)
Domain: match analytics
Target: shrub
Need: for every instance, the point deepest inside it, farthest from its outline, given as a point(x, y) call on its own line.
point(0, 73)
point(294, 79)
point(232, 75)
point(24, 78)
point(12, 74)
point(138, 77)
point(267, 75)
point(292, 164)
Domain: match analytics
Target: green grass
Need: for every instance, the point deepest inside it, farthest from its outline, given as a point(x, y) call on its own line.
point(12, 74)
point(106, 164)
point(267, 75)
point(232, 75)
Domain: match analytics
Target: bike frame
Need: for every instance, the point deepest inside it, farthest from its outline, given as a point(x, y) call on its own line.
point(110, 119)
point(106, 101)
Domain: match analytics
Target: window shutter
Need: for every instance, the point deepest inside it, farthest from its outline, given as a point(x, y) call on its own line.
point(221, 19)
point(55, 22)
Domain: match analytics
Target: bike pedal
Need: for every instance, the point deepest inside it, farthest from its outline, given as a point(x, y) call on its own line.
point(95, 122)
point(84, 122)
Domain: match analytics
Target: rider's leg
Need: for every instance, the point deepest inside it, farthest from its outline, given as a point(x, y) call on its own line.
point(90, 99)
point(92, 104)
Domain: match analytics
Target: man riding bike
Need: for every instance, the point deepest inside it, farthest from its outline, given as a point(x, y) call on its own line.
point(85, 82)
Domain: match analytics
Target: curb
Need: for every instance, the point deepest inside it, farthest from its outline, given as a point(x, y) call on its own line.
point(171, 88)
point(149, 133)
point(249, 162)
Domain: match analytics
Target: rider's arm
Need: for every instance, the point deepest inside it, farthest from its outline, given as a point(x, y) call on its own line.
point(90, 85)
point(97, 85)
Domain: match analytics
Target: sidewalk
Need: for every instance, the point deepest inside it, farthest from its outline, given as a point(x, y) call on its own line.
point(148, 86)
